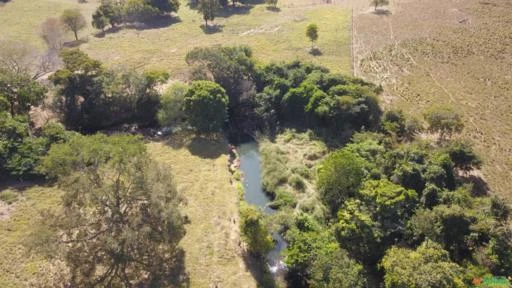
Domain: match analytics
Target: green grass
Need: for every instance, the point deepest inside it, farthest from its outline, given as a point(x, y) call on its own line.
point(8, 196)
point(274, 36)
point(17, 265)
point(288, 169)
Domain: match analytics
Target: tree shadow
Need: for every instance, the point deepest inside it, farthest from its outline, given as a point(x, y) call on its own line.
point(479, 187)
point(212, 29)
point(75, 43)
point(274, 9)
point(259, 270)
point(229, 10)
point(315, 51)
point(210, 147)
point(21, 185)
point(179, 276)
point(382, 12)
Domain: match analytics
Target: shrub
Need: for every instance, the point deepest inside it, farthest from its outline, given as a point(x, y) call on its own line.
point(297, 183)
point(8, 196)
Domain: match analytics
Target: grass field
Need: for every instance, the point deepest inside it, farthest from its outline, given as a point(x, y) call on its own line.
point(457, 55)
point(17, 265)
point(213, 256)
point(273, 35)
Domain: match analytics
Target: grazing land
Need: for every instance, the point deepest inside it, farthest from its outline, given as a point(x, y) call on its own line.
point(18, 267)
point(450, 53)
point(212, 243)
point(212, 252)
point(273, 35)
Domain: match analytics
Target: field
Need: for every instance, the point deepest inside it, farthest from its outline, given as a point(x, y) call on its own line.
point(273, 35)
point(212, 252)
point(453, 53)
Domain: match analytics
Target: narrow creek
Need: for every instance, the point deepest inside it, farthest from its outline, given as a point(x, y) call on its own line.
point(254, 194)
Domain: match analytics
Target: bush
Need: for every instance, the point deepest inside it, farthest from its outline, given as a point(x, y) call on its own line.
point(283, 198)
point(297, 183)
point(172, 105)
point(253, 230)
point(8, 196)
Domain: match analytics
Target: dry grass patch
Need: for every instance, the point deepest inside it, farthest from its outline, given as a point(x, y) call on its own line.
point(18, 266)
point(212, 251)
point(459, 56)
point(274, 36)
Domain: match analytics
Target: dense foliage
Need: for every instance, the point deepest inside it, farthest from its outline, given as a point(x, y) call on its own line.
point(120, 224)
point(206, 105)
point(129, 11)
point(93, 97)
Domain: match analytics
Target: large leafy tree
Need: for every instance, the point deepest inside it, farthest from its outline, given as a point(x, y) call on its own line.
point(120, 223)
point(208, 8)
point(427, 266)
point(444, 120)
point(20, 91)
point(339, 177)
point(231, 67)
point(206, 105)
point(391, 204)
point(165, 6)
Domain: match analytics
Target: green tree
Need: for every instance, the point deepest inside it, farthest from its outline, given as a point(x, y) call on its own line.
point(391, 204)
point(335, 269)
point(165, 6)
point(254, 231)
point(208, 9)
point(444, 120)
point(427, 266)
point(271, 3)
point(339, 177)
point(172, 105)
point(206, 105)
point(377, 3)
point(312, 33)
point(120, 222)
point(231, 67)
point(20, 92)
point(358, 233)
point(73, 20)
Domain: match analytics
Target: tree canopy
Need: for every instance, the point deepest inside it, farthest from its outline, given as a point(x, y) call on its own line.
point(120, 224)
point(206, 105)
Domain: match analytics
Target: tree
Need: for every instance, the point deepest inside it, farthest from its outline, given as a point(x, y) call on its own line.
point(444, 120)
point(377, 3)
point(231, 67)
point(20, 91)
point(120, 223)
point(172, 105)
point(391, 204)
point(271, 3)
point(73, 21)
point(358, 233)
point(20, 58)
point(339, 177)
point(335, 269)
point(312, 33)
point(165, 6)
point(52, 33)
point(253, 230)
point(206, 105)
point(427, 266)
point(208, 8)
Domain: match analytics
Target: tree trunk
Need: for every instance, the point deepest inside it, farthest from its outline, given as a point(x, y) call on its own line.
point(76, 34)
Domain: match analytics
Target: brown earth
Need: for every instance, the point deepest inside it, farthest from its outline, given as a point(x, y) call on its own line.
point(446, 52)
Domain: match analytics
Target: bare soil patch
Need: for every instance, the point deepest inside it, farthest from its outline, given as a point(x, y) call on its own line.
point(455, 53)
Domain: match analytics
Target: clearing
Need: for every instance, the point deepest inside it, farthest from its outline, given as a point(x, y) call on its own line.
point(453, 53)
point(273, 35)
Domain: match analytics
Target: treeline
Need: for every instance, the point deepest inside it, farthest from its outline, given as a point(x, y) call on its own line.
point(114, 13)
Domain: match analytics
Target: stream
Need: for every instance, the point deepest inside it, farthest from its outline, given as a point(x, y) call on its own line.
point(254, 194)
